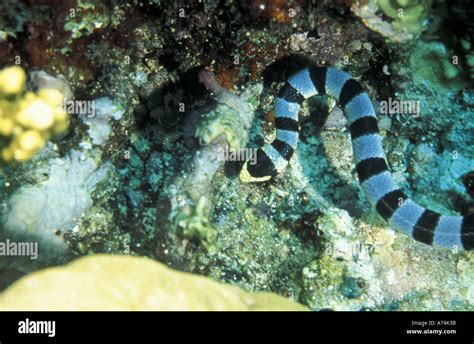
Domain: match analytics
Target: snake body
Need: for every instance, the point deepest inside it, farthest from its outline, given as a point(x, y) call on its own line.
point(382, 191)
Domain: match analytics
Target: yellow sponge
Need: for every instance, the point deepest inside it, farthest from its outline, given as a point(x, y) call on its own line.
point(27, 119)
point(12, 80)
point(107, 282)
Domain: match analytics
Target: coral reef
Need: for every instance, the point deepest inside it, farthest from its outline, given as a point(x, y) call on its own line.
point(40, 212)
point(467, 46)
point(102, 111)
point(88, 16)
point(49, 202)
point(407, 14)
point(142, 174)
point(408, 17)
point(27, 120)
point(432, 64)
point(231, 126)
point(195, 224)
point(217, 130)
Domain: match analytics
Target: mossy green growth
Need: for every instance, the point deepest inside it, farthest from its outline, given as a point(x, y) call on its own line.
point(322, 277)
point(407, 14)
point(14, 15)
point(195, 224)
point(467, 45)
point(86, 17)
point(222, 120)
point(432, 63)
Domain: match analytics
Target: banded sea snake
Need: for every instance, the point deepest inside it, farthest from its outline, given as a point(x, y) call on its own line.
point(376, 180)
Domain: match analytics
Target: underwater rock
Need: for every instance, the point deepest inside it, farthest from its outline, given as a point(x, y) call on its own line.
point(432, 64)
point(350, 288)
point(131, 283)
point(217, 130)
point(223, 120)
point(446, 171)
point(407, 17)
point(336, 278)
point(39, 212)
point(103, 110)
point(336, 119)
point(41, 79)
point(363, 265)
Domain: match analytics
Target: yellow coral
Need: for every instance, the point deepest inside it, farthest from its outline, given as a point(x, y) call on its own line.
point(106, 282)
point(27, 119)
point(12, 80)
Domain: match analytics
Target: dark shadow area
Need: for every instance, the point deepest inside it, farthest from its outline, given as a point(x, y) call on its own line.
point(163, 106)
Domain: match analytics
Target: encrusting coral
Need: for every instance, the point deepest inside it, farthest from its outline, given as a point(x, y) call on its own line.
point(222, 128)
point(406, 13)
point(195, 224)
point(59, 191)
point(131, 283)
point(27, 119)
point(407, 17)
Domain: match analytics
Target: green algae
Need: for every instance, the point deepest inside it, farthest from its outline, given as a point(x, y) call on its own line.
point(222, 121)
point(194, 224)
point(85, 18)
point(431, 63)
point(407, 14)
